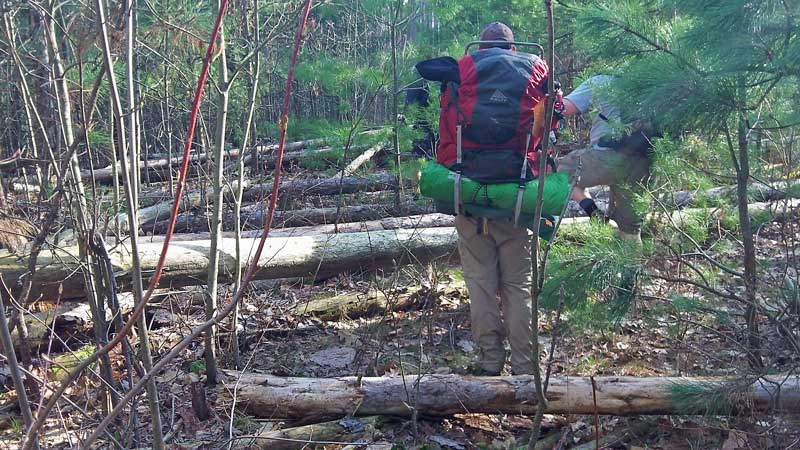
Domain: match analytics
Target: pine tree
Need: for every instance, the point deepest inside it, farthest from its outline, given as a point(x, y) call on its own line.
point(723, 69)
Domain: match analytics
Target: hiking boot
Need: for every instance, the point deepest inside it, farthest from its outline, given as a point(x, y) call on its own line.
point(599, 215)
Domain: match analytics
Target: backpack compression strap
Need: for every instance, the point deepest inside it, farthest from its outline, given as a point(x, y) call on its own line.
point(522, 182)
point(459, 121)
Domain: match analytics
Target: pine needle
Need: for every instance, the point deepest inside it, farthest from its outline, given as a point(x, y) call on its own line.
point(599, 275)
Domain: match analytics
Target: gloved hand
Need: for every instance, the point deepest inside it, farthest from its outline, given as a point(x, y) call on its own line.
point(558, 107)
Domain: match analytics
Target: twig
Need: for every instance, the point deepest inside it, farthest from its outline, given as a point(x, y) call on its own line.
point(197, 331)
point(33, 430)
point(13, 364)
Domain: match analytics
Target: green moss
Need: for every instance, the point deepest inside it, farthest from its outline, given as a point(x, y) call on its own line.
point(198, 366)
point(64, 363)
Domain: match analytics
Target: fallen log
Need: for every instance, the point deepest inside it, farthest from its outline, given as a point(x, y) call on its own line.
point(617, 438)
point(11, 160)
point(290, 257)
point(283, 257)
point(327, 154)
point(257, 192)
point(325, 186)
point(318, 399)
point(70, 318)
point(434, 220)
point(359, 161)
point(23, 188)
point(336, 431)
point(374, 301)
point(252, 217)
point(162, 210)
point(756, 192)
point(779, 210)
point(105, 174)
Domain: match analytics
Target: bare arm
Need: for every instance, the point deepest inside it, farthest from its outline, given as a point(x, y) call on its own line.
point(570, 109)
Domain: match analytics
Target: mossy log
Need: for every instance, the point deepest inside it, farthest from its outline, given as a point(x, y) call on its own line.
point(307, 436)
point(283, 257)
point(374, 301)
point(318, 399)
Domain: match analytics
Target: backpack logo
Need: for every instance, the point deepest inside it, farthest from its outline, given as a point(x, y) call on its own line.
point(498, 97)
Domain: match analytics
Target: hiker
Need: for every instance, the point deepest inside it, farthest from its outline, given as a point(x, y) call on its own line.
point(494, 107)
point(417, 96)
point(619, 156)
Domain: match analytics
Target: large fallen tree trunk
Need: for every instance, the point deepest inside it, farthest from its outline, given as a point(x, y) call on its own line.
point(252, 218)
point(318, 399)
point(326, 156)
point(253, 215)
point(288, 257)
point(283, 257)
point(757, 192)
point(162, 210)
point(360, 160)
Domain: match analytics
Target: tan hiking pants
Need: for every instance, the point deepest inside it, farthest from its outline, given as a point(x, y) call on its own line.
point(624, 172)
point(498, 263)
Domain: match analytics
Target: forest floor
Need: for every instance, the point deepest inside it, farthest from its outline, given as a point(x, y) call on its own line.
point(667, 331)
point(433, 337)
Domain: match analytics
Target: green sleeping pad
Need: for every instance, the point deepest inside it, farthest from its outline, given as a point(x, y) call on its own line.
point(437, 182)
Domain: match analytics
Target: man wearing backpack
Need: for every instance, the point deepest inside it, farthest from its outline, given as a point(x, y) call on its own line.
point(619, 156)
point(488, 133)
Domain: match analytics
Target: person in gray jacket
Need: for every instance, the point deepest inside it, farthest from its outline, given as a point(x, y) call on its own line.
point(618, 156)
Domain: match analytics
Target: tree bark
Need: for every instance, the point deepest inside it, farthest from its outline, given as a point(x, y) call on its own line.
point(106, 174)
point(68, 319)
point(253, 217)
point(316, 399)
point(283, 257)
point(325, 186)
point(758, 192)
point(257, 192)
point(354, 165)
point(434, 220)
point(372, 302)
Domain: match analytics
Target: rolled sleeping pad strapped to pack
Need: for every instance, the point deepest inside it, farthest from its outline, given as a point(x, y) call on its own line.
point(438, 182)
